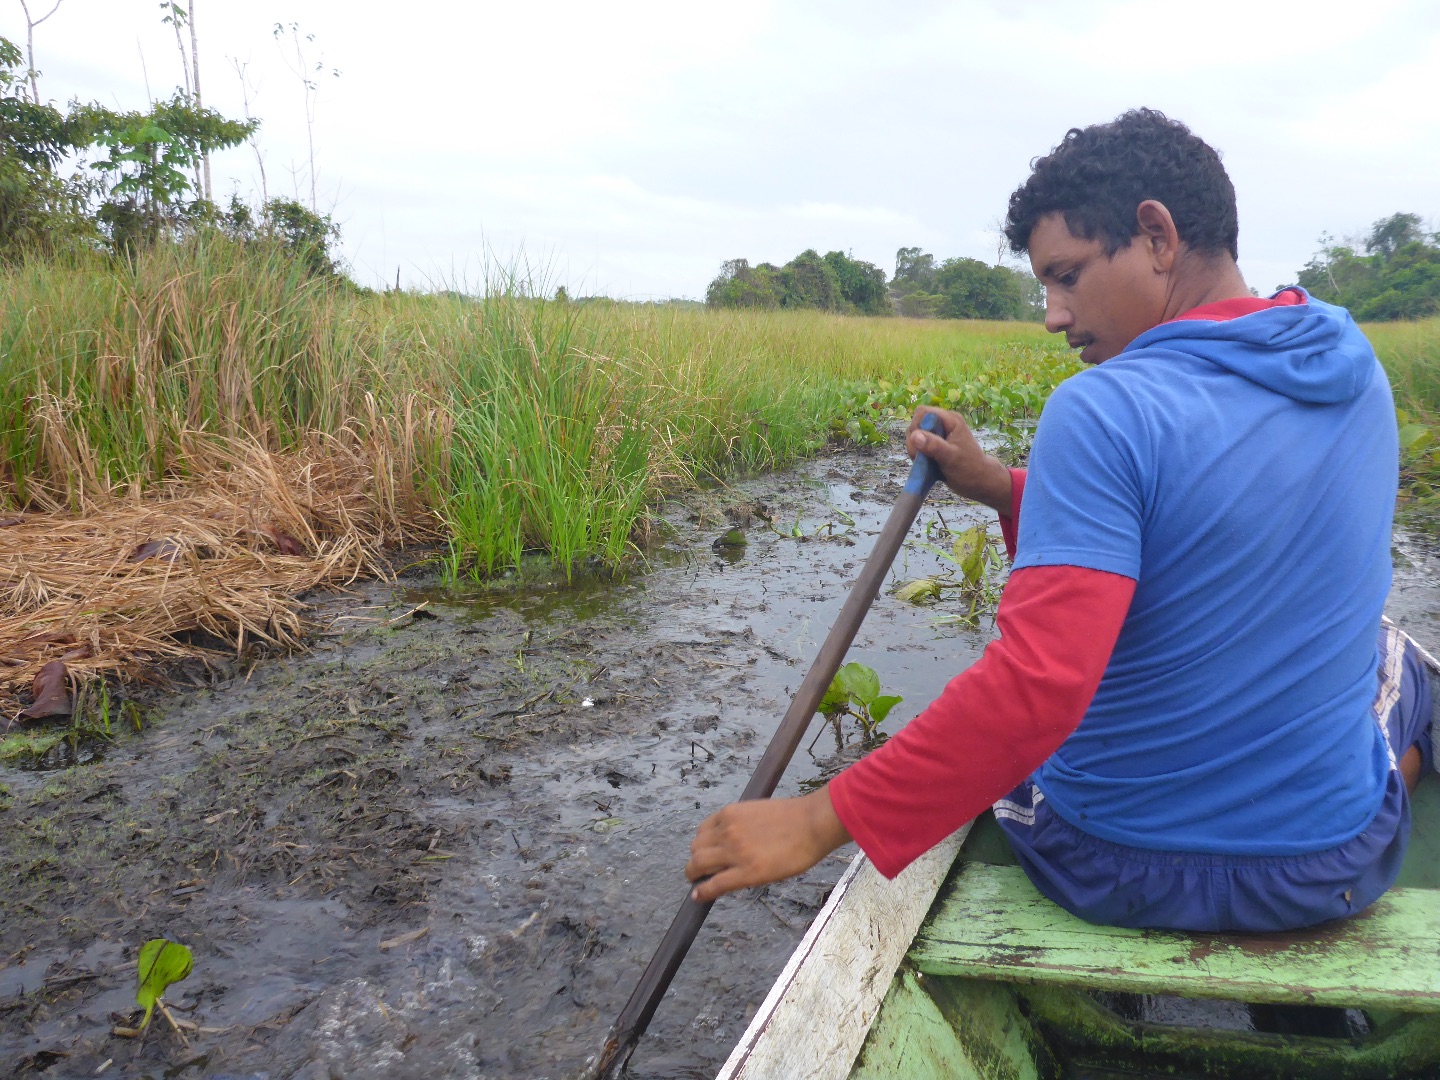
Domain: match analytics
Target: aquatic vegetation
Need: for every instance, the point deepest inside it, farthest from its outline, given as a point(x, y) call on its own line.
point(973, 578)
point(826, 530)
point(512, 424)
point(162, 963)
point(1004, 398)
point(855, 692)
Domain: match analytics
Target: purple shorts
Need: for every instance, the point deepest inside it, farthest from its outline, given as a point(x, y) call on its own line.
point(1117, 885)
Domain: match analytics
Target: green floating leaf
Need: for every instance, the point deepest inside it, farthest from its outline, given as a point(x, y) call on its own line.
point(861, 682)
point(918, 591)
point(881, 706)
point(162, 963)
point(836, 698)
point(969, 551)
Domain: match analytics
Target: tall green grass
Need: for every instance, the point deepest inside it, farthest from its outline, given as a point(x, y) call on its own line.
point(1410, 352)
point(523, 425)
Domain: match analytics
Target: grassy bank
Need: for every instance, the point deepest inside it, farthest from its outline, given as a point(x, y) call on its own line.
point(1410, 352)
point(517, 424)
point(508, 424)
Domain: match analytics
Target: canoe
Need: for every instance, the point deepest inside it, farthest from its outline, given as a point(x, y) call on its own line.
point(960, 968)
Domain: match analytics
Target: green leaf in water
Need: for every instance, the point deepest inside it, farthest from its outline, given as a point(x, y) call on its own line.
point(881, 706)
point(860, 681)
point(836, 698)
point(969, 551)
point(162, 963)
point(918, 591)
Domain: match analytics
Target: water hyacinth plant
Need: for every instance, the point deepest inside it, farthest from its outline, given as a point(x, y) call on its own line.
point(855, 692)
point(971, 582)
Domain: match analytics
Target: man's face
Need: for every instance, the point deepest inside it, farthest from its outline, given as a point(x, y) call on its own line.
point(1099, 303)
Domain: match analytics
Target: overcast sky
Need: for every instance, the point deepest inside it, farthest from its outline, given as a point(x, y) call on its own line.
point(628, 148)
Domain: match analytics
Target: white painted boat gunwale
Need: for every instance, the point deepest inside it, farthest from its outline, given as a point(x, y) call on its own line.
point(814, 1020)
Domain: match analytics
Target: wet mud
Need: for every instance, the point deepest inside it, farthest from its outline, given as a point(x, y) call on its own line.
point(445, 842)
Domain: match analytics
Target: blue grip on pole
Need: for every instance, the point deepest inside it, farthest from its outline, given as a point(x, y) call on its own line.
point(924, 472)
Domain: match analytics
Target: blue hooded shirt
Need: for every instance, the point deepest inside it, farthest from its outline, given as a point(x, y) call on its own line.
point(1244, 474)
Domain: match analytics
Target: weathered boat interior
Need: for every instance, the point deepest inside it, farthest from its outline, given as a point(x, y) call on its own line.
point(1001, 983)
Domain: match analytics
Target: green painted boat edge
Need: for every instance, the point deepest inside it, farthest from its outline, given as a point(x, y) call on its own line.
point(961, 1028)
point(991, 922)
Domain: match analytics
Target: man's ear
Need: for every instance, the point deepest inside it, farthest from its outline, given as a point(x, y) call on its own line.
point(1158, 232)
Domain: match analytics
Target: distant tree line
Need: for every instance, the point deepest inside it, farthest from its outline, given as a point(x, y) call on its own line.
point(832, 282)
point(955, 289)
point(962, 289)
point(1397, 277)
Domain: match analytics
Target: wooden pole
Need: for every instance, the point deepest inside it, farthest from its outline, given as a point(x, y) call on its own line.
point(636, 1015)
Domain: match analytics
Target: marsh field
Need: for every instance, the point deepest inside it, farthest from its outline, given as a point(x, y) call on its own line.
point(385, 649)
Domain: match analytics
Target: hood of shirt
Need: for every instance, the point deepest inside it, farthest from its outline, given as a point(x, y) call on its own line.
point(1311, 352)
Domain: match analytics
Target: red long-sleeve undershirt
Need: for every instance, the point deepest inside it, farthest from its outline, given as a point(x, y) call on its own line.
point(995, 722)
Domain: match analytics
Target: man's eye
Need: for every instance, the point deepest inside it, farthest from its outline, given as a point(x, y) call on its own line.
point(1069, 278)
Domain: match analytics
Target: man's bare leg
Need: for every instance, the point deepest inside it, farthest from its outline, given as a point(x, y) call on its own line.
point(1410, 766)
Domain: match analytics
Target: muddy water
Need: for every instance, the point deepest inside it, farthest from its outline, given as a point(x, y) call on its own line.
point(446, 842)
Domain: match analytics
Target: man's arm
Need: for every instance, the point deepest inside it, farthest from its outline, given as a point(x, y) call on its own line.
point(991, 727)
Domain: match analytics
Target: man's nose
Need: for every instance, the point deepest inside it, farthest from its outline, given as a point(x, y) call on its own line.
point(1057, 317)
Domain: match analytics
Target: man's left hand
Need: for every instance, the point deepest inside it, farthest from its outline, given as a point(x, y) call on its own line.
point(762, 840)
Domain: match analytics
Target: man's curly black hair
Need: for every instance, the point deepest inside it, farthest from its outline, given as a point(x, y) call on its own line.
point(1098, 175)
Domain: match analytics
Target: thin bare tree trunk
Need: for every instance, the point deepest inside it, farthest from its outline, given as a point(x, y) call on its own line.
point(199, 104)
point(175, 18)
point(30, 25)
point(184, 60)
point(254, 139)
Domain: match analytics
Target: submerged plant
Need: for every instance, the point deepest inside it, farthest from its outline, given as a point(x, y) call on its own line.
point(826, 530)
point(855, 691)
point(974, 580)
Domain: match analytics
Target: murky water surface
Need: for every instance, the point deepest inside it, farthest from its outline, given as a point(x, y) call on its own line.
point(446, 842)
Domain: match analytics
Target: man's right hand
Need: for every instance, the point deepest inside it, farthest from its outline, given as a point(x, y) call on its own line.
point(966, 468)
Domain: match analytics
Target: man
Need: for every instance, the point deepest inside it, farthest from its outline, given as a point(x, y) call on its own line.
point(1179, 724)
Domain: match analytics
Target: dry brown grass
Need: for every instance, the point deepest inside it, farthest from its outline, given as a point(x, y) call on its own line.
point(132, 582)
